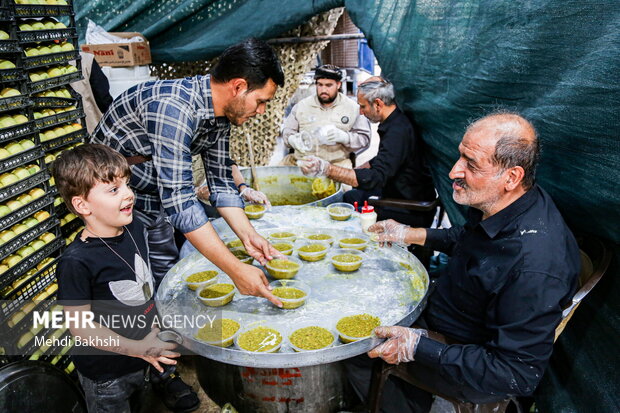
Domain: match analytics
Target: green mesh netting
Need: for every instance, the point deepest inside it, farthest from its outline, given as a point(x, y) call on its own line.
point(556, 61)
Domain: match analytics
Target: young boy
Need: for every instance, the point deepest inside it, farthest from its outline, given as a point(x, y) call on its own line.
point(105, 271)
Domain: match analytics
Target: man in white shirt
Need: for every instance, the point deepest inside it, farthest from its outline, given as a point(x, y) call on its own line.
point(328, 125)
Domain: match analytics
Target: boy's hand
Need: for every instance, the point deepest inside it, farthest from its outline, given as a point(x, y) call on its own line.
point(155, 351)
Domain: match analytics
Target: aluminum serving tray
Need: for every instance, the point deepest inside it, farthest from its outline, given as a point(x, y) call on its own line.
point(391, 284)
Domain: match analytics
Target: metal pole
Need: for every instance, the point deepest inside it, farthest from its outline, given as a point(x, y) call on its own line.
point(314, 39)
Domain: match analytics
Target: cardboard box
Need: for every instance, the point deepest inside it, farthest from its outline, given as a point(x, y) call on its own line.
point(121, 54)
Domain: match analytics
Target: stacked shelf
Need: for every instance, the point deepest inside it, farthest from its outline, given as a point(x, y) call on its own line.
point(40, 116)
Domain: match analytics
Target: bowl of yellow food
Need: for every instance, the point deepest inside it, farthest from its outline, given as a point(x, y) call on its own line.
point(280, 268)
point(221, 332)
point(282, 235)
point(313, 251)
point(310, 338)
point(356, 327)
point(236, 243)
point(292, 293)
point(260, 339)
point(347, 260)
point(340, 211)
point(200, 279)
point(216, 295)
point(285, 247)
point(242, 255)
point(320, 236)
point(353, 243)
point(254, 211)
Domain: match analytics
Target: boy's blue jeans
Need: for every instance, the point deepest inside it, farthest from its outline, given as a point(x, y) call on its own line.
point(121, 395)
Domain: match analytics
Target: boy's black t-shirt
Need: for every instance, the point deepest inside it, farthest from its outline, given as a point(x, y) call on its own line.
point(90, 273)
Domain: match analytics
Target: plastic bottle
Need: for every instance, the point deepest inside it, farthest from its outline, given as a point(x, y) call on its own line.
point(368, 216)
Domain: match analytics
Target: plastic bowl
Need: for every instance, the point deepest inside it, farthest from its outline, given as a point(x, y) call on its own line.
point(219, 332)
point(255, 211)
point(356, 327)
point(347, 260)
point(216, 295)
point(320, 236)
point(260, 339)
point(340, 211)
point(313, 332)
point(242, 255)
point(353, 243)
point(282, 235)
point(285, 247)
point(288, 290)
point(313, 251)
point(201, 279)
point(283, 269)
point(235, 243)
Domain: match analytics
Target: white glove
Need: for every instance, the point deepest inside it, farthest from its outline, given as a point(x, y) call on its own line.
point(389, 231)
point(331, 135)
point(256, 197)
point(401, 344)
point(313, 166)
point(301, 142)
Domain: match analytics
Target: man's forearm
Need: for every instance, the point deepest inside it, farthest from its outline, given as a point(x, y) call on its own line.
point(238, 221)
point(415, 236)
point(343, 175)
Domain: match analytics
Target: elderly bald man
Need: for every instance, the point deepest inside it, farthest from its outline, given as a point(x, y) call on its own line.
point(488, 329)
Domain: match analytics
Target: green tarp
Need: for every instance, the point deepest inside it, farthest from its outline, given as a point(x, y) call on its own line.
point(555, 61)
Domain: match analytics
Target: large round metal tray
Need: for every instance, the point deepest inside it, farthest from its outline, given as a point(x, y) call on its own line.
point(391, 284)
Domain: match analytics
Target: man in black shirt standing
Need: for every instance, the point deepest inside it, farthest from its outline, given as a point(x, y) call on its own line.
point(398, 171)
point(513, 267)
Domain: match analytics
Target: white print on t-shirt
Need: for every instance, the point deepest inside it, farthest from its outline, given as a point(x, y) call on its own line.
point(132, 293)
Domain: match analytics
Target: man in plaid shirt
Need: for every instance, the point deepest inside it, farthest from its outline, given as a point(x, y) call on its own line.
point(159, 125)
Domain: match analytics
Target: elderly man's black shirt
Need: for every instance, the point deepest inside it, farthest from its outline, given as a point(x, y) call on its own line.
point(398, 169)
point(502, 294)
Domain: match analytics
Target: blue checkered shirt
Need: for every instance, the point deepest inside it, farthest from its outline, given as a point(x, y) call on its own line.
point(171, 120)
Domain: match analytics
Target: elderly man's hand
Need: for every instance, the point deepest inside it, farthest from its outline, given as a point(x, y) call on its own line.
point(400, 346)
point(257, 197)
point(389, 231)
point(313, 166)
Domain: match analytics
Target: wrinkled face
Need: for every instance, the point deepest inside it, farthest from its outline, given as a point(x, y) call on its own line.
point(109, 205)
point(370, 110)
point(478, 182)
point(249, 104)
point(327, 90)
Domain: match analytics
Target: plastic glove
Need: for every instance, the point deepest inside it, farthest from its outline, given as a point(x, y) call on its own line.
point(256, 197)
point(313, 166)
point(389, 231)
point(331, 135)
point(401, 344)
point(301, 142)
point(203, 193)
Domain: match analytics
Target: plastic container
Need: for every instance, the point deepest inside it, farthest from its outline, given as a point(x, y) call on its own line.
point(340, 211)
point(323, 331)
point(220, 300)
point(313, 251)
point(255, 211)
point(368, 217)
point(347, 260)
point(281, 269)
point(285, 247)
point(212, 333)
point(282, 235)
point(264, 339)
point(290, 303)
point(368, 323)
point(242, 255)
point(319, 236)
point(201, 279)
point(353, 243)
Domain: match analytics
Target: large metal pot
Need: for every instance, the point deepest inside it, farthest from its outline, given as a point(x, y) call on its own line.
point(286, 185)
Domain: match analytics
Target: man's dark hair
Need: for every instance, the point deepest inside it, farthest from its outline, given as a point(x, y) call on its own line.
point(252, 60)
